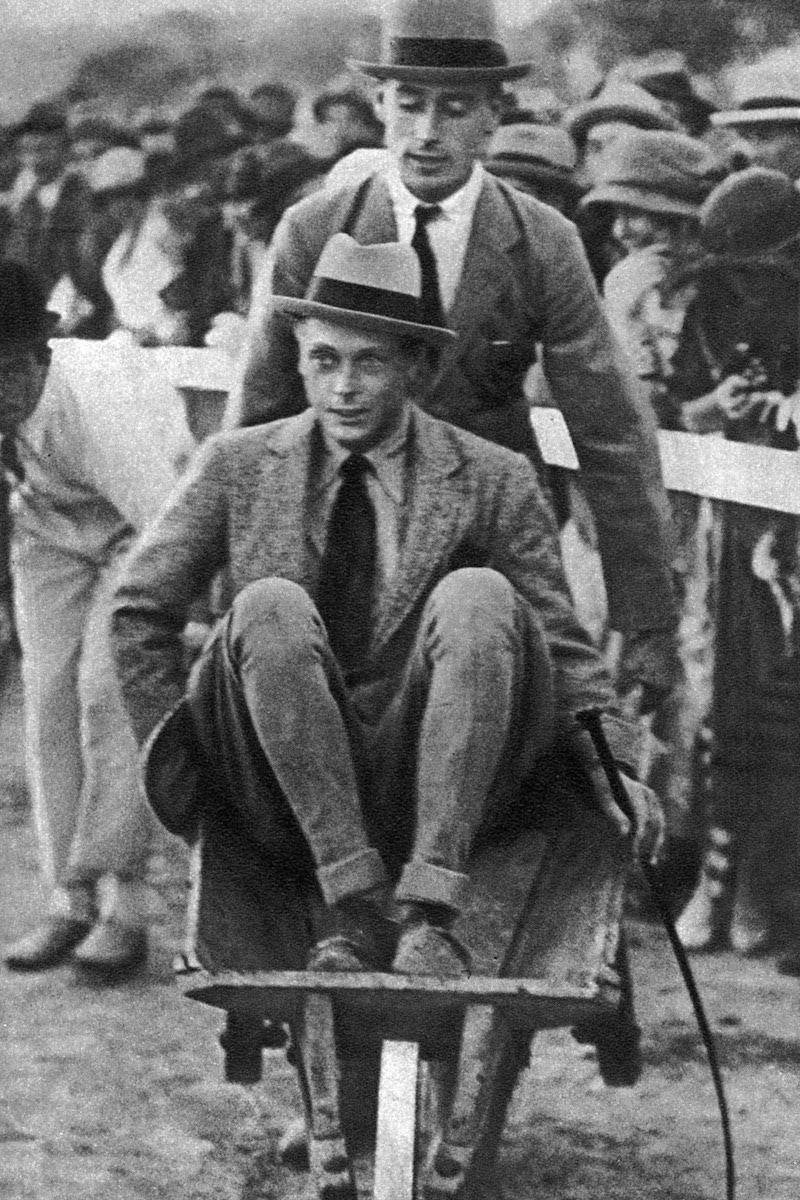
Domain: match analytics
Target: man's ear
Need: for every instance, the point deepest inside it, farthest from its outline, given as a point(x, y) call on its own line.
point(379, 104)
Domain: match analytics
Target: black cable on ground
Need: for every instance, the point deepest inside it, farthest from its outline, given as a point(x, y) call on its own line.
point(591, 722)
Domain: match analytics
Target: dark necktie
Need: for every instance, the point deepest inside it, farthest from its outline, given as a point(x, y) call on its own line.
point(347, 578)
point(431, 300)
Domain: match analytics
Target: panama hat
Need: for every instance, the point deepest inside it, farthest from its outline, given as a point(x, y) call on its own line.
point(374, 287)
point(442, 42)
point(657, 171)
point(763, 96)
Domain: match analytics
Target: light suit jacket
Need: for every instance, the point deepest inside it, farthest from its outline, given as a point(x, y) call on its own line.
point(243, 506)
point(525, 287)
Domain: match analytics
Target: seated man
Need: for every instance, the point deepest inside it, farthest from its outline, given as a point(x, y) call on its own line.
point(400, 645)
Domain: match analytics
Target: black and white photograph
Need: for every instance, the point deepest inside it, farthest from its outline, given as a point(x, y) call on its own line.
point(400, 600)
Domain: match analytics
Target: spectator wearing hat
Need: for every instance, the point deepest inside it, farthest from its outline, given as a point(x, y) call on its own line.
point(737, 372)
point(503, 271)
point(766, 118)
point(93, 136)
point(345, 121)
point(50, 220)
point(537, 159)
point(664, 75)
point(595, 125)
point(653, 184)
point(86, 472)
point(119, 196)
point(274, 106)
point(261, 184)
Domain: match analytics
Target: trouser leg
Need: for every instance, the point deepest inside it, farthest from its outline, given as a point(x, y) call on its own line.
point(114, 827)
point(52, 595)
point(270, 707)
point(481, 686)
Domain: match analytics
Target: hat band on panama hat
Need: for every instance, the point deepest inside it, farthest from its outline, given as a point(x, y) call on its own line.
point(451, 53)
point(364, 299)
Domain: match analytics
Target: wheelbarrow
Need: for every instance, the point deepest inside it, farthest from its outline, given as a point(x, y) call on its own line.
point(406, 1081)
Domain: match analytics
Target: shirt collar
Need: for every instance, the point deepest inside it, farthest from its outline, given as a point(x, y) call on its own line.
point(461, 204)
point(386, 460)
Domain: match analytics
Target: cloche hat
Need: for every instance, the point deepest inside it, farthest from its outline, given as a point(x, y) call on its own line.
point(375, 287)
point(752, 213)
point(654, 170)
point(442, 42)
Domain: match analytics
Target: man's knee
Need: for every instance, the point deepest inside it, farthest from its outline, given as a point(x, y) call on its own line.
point(273, 615)
point(474, 602)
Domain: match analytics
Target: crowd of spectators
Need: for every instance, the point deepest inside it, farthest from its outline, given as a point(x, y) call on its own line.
point(690, 218)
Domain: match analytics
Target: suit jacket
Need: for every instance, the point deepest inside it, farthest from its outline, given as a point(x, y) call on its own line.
point(242, 508)
point(525, 286)
point(49, 242)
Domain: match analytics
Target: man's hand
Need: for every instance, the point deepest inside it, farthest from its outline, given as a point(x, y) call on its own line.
point(650, 662)
point(646, 829)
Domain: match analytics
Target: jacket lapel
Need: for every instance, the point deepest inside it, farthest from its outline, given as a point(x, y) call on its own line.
point(375, 222)
point(436, 509)
point(487, 271)
point(286, 475)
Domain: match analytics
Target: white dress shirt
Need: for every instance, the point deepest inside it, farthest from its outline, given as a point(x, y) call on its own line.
point(448, 233)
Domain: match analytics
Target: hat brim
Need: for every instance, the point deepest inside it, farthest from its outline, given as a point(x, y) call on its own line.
point(640, 198)
point(534, 172)
point(756, 116)
point(454, 76)
point(581, 123)
point(293, 306)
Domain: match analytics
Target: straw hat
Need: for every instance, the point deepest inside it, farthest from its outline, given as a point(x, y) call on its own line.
point(453, 42)
point(654, 170)
point(763, 95)
point(374, 287)
point(118, 168)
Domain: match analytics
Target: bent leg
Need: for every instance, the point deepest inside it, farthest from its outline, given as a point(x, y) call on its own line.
point(482, 665)
point(270, 708)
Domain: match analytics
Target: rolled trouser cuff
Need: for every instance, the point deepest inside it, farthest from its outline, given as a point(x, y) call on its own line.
point(349, 876)
point(426, 883)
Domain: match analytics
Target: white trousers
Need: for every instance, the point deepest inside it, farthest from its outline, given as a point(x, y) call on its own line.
point(90, 814)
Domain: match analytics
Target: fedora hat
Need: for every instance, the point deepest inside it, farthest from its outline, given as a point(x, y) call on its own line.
point(372, 287)
point(657, 171)
point(623, 101)
point(539, 153)
point(452, 42)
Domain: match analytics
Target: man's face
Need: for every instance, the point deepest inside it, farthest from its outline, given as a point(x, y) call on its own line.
point(436, 134)
point(356, 382)
point(22, 379)
point(774, 144)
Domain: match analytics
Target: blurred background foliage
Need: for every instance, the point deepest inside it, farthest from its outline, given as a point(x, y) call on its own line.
point(168, 52)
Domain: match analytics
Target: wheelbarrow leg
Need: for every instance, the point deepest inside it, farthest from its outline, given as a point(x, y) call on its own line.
point(397, 1121)
point(492, 1056)
point(320, 1076)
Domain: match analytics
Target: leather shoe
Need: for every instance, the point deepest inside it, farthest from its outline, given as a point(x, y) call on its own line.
point(426, 949)
point(48, 946)
point(112, 948)
point(361, 938)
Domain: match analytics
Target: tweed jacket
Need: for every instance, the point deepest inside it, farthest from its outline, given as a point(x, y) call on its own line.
point(525, 289)
point(242, 507)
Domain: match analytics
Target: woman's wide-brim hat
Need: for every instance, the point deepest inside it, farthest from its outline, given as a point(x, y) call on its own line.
point(376, 288)
point(543, 154)
point(453, 42)
point(655, 171)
